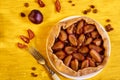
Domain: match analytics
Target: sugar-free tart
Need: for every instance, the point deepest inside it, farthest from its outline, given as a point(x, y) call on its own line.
point(78, 46)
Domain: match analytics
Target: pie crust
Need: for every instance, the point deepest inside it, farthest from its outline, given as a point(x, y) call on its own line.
point(58, 64)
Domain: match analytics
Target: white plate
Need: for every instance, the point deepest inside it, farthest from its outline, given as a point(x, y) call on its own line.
point(88, 75)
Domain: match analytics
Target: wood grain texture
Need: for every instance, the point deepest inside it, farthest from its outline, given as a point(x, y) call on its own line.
point(15, 64)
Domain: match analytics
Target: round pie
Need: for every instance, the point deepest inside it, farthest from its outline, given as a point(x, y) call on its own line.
point(78, 46)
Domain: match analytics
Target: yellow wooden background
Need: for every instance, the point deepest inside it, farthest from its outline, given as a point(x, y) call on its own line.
point(15, 64)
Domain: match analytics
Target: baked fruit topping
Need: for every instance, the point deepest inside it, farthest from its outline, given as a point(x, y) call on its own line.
point(78, 45)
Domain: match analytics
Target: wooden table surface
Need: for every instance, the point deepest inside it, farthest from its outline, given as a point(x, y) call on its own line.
point(16, 64)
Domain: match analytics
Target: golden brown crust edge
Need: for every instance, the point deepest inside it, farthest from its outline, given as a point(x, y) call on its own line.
point(58, 64)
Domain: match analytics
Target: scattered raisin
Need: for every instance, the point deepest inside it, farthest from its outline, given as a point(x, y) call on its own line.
point(95, 10)
point(107, 20)
point(88, 10)
point(85, 12)
point(108, 28)
point(92, 6)
point(22, 14)
point(26, 4)
point(33, 68)
point(33, 74)
point(69, 1)
point(73, 4)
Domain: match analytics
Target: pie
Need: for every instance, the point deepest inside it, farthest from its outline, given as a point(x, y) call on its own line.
point(78, 46)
